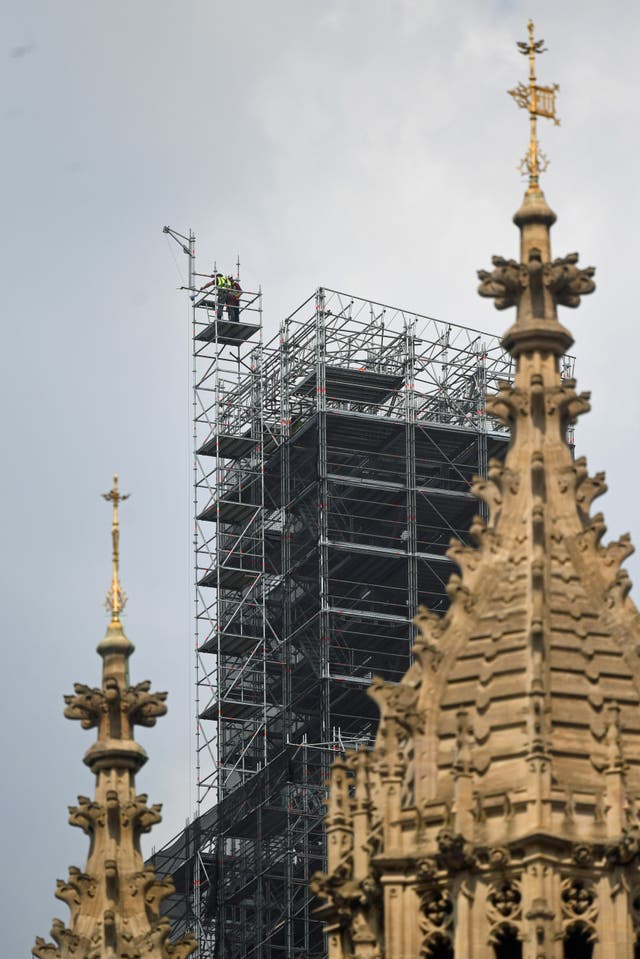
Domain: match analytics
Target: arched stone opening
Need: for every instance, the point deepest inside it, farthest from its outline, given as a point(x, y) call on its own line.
point(578, 943)
point(438, 947)
point(506, 944)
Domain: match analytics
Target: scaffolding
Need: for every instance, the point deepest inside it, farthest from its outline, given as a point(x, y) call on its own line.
point(332, 467)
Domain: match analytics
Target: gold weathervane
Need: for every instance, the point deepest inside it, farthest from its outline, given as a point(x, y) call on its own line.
point(116, 598)
point(540, 102)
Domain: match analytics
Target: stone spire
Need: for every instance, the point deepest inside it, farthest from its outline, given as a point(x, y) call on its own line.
point(504, 785)
point(115, 903)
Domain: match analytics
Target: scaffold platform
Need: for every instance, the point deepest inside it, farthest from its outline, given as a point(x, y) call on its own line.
point(226, 332)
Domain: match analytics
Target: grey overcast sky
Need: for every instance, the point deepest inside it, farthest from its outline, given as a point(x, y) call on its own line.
point(367, 145)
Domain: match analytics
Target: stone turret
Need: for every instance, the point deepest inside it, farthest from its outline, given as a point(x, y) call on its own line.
point(503, 789)
point(115, 902)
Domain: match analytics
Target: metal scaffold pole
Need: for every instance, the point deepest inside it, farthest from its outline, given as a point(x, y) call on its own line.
point(410, 534)
point(483, 461)
point(323, 513)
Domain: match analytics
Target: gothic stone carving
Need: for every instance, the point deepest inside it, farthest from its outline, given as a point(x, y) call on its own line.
point(564, 280)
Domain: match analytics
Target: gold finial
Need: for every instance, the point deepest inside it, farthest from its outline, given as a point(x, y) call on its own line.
point(116, 598)
point(540, 102)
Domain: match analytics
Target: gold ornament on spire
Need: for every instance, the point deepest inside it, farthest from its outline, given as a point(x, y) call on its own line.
point(540, 102)
point(116, 597)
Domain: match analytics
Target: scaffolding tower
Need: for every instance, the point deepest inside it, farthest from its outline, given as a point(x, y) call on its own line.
point(332, 466)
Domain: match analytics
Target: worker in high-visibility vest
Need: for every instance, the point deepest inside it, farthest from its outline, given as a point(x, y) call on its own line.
point(224, 289)
point(223, 285)
point(233, 300)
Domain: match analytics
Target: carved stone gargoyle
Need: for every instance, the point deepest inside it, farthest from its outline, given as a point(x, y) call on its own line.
point(87, 815)
point(141, 816)
point(86, 704)
point(78, 887)
point(567, 281)
point(142, 706)
point(561, 281)
point(153, 890)
point(505, 283)
point(157, 942)
point(454, 853)
point(626, 849)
